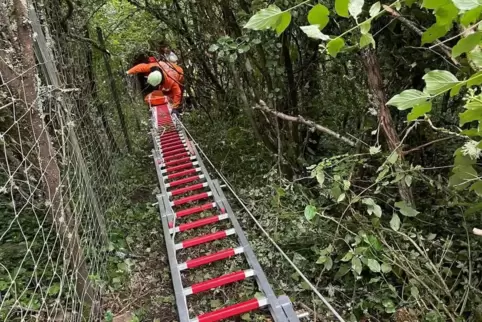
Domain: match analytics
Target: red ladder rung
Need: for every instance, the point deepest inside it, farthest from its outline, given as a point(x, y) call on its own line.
point(218, 281)
point(174, 157)
point(195, 210)
point(199, 223)
point(169, 134)
point(172, 148)
point(193, 187)
point(178, 161)
point(172, 144)
point(184, 181)
point(192, 198)
point(183, 173)
point(184, 166)
point(210, 258)
point(232, 310)
point(171, 138)
point(173, 152)
point(205, 239)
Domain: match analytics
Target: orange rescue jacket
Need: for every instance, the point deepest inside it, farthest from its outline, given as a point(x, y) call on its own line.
point(168, 86)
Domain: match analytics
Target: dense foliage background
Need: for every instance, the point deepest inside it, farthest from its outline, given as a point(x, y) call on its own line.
point(376, 203)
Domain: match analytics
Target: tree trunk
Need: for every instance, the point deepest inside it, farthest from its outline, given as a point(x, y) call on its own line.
point(113, 89)
point(375, 82)
point(24, 85)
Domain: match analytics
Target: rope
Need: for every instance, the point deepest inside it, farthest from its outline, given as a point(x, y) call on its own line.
point(226, 182)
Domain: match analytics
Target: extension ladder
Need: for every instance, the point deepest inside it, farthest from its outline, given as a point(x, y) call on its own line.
point(180, 171)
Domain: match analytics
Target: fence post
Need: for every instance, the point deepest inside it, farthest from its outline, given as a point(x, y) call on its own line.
point(113, 89)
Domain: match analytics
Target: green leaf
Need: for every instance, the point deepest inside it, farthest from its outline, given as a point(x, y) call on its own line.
point(462, 174)
point(335, 46)
point(471, 16)
point(446, 14)
point(374, 265)
point(320, 177)
point(322, 259)
point(246, 317)
point(348, 256)
point(477, 187)
point(405, 209)
point(388, 305)
point(439, 81)
point(54, 289)
point(419, 110)
point(456, 90)
point(344, 269)
point(265, 18)
point(408, 99)
point(328, 263)
point(408, 180)
point(319, 15)
point(395, 222)
point(386, 268)
point(467, 4)
point(466, 44)
point(216, 304)
point(475, 79)
point(355, 8)
point(366, 40)
point(310, 212)
point(470, 116)
point(375, 9)
point(434, 32)
point(341, 8)
point(356, 265)
point(365, 27)
point(313, 31)
point(434, 4)
point(393, 157)
point(283, 22)
point(476, 57)
point(375, 149)
point(213, 48)
point(414, 291)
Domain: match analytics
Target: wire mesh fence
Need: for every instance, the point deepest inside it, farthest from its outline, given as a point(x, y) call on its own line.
point(59, 138)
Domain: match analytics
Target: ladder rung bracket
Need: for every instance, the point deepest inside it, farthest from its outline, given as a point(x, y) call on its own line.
point(182, 173)
point(192, 198)
point(218, 281)
point(195, 210)
point(205, 239)
point(211, 258)
point(184, 166)
point(232, 310)
point(193, 187)
point(179, 182)
point(199, 223)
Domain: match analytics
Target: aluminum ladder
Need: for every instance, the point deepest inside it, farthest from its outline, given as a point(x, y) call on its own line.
point(180, 170)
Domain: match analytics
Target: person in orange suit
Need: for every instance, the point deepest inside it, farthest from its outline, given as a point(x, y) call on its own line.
point(166, 84)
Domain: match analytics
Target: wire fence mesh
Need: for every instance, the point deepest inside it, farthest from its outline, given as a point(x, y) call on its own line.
point(60, 137)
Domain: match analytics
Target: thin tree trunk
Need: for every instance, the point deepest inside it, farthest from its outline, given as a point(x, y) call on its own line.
point(113, 89)
point(375, 82)
point(25, 88)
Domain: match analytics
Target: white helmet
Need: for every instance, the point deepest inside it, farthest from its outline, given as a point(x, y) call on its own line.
point(154, 78)
point(172, 57)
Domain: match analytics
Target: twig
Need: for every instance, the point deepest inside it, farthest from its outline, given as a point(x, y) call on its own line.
point(444, 48)
point(90, 41)
point(263, 107)
point(425, 145)
point(440, 43)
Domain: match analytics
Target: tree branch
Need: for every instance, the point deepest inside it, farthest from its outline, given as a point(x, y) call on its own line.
point(442, 47)
point(425, 145)
point(90, 41)
point(299, 119)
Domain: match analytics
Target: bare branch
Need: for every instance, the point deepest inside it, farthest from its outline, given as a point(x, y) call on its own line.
point(442, 47)
point(90, 41)
point(425, 145)
point(299, 119)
